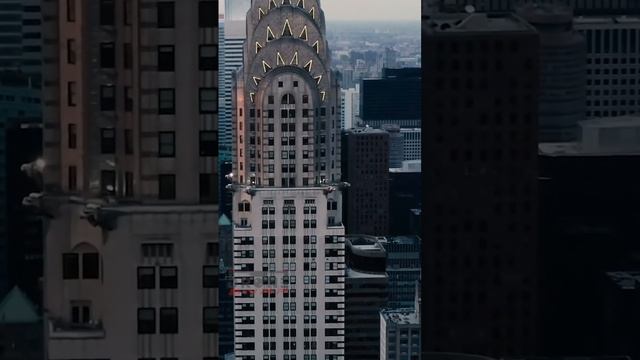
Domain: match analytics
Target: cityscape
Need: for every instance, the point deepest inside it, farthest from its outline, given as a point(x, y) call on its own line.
point(244, 180)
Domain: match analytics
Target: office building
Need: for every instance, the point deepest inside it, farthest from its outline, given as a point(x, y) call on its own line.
point(21, 43)
point(613, 64)
point(23, 144)
point(405, 198)
point(396, 145)
point(580, 7)
point(365, 161)
point(366, 295)
point(20, 103)
point(562, 60)
point(130, 179)
point(289, 275)
point(403, 269)
point(350, 107)
point(225, 229)
point(400, 331)
point(20, 328)
point(411, 144)
point(479, 208)
point(588, 229)
point(393, 99)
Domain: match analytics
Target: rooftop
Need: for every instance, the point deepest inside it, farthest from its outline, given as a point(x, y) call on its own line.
point(477, 22)
point(407, 316)
point(617, 121)
point(590, 20)
point(404, 240)
point(408, 166)
point(626, 280)
point(365, 131)
point(364, 275)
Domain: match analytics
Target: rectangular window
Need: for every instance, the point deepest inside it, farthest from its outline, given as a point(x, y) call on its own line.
point(108, 182)
point(210, 320)
point(127, 55)
point(107, 13)
point(70, 266)
point(206, 12)
point(208, 188)
point(208, 143)
point(209, 277)
point(168, 277)
point(107, 98)
point(166, 17)
point(107, 141)
point(71, 93)
point(128, 99)
point(80, 312)
point(169, 320)
point(90, 266)
point(167, 187)
point(107, 55)
point(72, 136)
point(146, 321)
point(128, 179)
point(71, 10)
point(166, 58)
point(126, 12)
point(208, 57)
point(128, 141)
point(208, 101)
point(166, 144)
point(166, 101)
point(72, 178)
point(71, 51)
point(146, 277)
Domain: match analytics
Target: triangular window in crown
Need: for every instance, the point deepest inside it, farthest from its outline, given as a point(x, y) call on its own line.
point(294, 61)
point(301, 4)
point(258, 47)
point(270, 36)
point(272, 4)
point(279, 59)
point(313, 12)
point(256, 80)
point(308, 65)
point(318, 79)
point(286, 30)
point(304, 34)
point(324, 95)
point(260, 13)
point(265, 66)
point(316, 46)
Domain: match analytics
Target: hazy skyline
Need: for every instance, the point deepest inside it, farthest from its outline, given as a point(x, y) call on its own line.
point(372, 10)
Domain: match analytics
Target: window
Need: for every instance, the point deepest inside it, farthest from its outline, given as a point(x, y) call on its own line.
point(127, 55)
point(209, 277)
point(107, 98)
point(208, 188)
point(107, 55)
point(146, 277)
point(168, 320)
point(208, 100)
point(128, 99)
point(80, 312)
point(207, 11)
point(166, 187)
point(168, 277)
point(107, 141)
point(71, 10)
point(90, 265)
point(126, 9)
point(166, 101)
point(108, 182)
point(71, 51)
point(208, 143)
point(72, 178)
point(166, 58)
point(209, 320)
point(166, 17)
point(128, 141)
point(70, 266)
point(146, 321)
point(166, 144)
point(72, 136)
point(208, 57)
point(71, 93)
point(107, 13)
point(128, 181)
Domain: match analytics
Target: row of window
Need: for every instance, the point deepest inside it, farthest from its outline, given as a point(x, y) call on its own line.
point(168, 317)
point(291, 319)
point(165, 56)
point(165, 11)
point(291, 357)
point(166, 142)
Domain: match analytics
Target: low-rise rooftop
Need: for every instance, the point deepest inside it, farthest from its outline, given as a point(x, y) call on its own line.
point(406, 316)
point(477, 22)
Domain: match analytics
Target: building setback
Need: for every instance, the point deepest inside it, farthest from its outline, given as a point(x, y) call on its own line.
point(479, 256)
point(365, 162)
point(130, 180)
point(289, 275)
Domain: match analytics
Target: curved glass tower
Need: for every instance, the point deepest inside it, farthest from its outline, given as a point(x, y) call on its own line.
point(288, 233)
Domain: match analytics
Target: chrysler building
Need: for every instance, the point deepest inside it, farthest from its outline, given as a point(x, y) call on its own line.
point(288, 234)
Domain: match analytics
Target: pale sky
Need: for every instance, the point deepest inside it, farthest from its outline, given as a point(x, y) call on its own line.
point(372, 10)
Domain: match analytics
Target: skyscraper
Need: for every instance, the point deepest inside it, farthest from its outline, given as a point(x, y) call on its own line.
point(480, 252)
point(21, 43)
point(288, 234)
point(129, 170)
point(393, 99)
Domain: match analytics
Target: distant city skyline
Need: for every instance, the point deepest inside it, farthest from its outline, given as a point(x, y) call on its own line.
point(370, 10)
